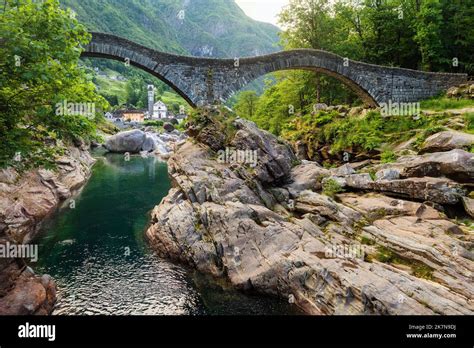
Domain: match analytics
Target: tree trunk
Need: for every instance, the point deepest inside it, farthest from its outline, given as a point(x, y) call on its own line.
point(318, 88)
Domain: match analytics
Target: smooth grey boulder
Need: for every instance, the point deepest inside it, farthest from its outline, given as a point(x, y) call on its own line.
point(343, 170)
point(355, 181)
point(437, 190)
point(446, 141)
point(320, 107)
point(130, 141)
point(455, 164)
point(149, 144)
point(387, 174)
point(307, 176)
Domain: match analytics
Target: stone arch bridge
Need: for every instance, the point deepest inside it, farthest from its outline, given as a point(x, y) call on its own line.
point(204, 81)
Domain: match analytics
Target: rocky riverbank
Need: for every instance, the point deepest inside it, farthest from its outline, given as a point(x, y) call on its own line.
point(25, 202)
point(146, 141)
point(380, 239)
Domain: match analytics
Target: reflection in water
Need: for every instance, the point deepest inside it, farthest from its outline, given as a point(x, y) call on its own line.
point(102, 265)
point(122, 286)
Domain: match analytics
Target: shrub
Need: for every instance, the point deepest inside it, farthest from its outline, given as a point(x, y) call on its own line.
point(153, 123)
point(388, 156)
point(367, 241)
point(422, 271)
point(219, 118)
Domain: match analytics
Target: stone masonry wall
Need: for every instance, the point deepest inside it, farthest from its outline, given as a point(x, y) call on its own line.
point(202, 81)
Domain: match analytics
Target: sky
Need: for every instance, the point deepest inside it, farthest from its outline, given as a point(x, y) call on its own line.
point(263, 10)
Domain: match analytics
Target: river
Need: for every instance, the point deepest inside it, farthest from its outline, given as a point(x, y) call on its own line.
point(95, 249)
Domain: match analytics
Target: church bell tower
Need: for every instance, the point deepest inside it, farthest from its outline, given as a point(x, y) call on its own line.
point(151, 100)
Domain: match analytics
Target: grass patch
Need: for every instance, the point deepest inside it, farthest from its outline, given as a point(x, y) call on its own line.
point(153, 123)
point(378, 214)
point(360, 224)
point(469, 120)
point(367, 241)
point(418, 269)
point(112, 87)
point(373, 174)
point(444, 103)
point(468, 222)
point(331, 188)
point(384, 255)
point(422, 271)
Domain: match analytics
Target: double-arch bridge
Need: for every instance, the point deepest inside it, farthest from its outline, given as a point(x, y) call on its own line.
point(205, 81)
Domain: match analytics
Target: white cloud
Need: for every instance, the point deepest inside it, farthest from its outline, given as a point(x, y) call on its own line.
point(263, 10)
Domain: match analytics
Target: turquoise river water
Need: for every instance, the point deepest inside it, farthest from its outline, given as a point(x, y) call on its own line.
point(95, 249)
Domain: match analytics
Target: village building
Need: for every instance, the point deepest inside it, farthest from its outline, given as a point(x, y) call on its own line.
point(181, 117)
point(133, 116)
point(110, 116)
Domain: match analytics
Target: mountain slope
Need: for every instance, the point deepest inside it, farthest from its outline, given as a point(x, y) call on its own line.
point(211, 28)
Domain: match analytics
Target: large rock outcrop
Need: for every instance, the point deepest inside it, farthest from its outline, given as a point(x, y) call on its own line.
point(275, 158)
point(270, 230)
point(25, 201)
point(442, 178)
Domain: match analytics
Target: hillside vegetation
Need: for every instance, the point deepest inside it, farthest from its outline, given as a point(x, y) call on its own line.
point(209, 28)
point(217, 28)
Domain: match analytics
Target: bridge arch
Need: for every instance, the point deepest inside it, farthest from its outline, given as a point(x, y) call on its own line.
point(202, 81)
point(106, 46)
point(306, 60)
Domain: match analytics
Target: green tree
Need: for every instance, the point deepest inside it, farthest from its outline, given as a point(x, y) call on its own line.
point(457, 34)
point(246, 104)
point(308, 25)
point(414, 34)
point(137, 94)
point(39, 54)
point(428, 35)
point(111, 98)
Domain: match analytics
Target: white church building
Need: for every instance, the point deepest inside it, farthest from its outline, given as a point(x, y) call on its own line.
point(157, 110)
point(160, 110)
